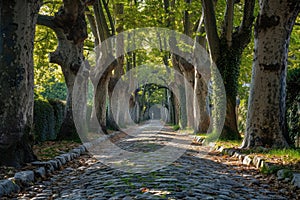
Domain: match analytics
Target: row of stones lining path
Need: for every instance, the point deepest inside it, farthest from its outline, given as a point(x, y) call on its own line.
point(193, 175)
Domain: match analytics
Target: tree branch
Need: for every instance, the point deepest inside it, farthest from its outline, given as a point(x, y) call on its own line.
point(247, 22)
point(211, 29)
point(101, 21)
point(49, 22)
point(228, 26)
point(110, 19)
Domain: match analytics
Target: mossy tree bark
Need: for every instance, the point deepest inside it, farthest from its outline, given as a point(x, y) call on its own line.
point(16, 80)
point(226, 50)
point(266, 111)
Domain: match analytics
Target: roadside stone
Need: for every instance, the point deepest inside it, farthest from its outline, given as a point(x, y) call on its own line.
point(241, 157)
point(83, 149)
point(7, 187)
point(62, 159)
point(257, 161)
point(247, 160)
point(76, 151)
point(24, 177)
point(296, 180)
point(54, 163)
point(231, 152)
point(66, 156)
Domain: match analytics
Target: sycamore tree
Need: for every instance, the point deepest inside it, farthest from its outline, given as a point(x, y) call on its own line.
point(266, 112)
point(70, 28)
point(16, 80)
point(226, 48)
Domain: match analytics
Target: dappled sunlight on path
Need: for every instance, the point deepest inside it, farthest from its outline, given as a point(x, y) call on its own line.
point(193, 174)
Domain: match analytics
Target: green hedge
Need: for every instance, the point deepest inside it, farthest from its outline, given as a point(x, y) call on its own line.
point(293, 103)
point(48, 116)
point(58, 108)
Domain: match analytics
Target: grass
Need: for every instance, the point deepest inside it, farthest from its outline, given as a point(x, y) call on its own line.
point(281, 158)
point(229, 144)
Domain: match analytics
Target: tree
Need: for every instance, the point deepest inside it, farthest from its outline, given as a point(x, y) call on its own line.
point(266, 112)
point(16, 80)
point(226, 50)
point(70, 28)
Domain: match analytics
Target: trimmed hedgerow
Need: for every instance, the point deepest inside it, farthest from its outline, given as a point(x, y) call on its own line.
point(44, 121)
point(293, 103)
point(58, 109)
point(48, 117)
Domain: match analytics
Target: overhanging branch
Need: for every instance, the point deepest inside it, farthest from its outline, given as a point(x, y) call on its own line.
point(211, 29)
point(244, 32)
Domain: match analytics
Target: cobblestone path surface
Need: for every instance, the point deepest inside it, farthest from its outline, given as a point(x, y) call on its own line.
point(192, 176)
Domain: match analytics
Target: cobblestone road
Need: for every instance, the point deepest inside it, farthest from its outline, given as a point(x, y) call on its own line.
point(192, 176)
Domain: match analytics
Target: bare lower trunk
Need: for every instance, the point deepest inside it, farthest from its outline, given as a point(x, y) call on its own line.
point(230, 130)
point(101, 94)
point(266, 116)
point(201, 109)
point(16, 80)
point(189, 78)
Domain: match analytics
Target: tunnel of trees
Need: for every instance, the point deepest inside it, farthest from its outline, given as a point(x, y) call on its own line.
point(46, 46)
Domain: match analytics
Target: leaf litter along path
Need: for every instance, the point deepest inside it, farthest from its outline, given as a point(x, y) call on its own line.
point(193, 175)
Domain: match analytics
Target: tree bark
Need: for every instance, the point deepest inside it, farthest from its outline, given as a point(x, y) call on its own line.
point(70, 27)
point(16, 80)
point(201, 114)
point(226, 51)
point(266, 111)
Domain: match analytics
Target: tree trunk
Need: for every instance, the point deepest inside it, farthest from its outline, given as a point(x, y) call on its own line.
point(201, 114)
point(181, 98)
point(266, 116)
point(226, 51)
point(70, 27)
point(189, 79)
point(16, 80)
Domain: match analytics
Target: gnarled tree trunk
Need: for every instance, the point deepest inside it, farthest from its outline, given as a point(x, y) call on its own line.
point(266, 111)
point(70, 27)
point(16, 80)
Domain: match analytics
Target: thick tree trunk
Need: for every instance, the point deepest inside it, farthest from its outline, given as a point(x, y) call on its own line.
point(70, 27)
point(266, 116)
point(201, 109)
point(226, 51)
point(16, 80)
point(189, 79)
point(180, 93)
point(228, 65)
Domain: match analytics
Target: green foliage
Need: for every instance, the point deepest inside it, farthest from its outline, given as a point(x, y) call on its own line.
point(176, 127)
point(44, 121)
point(48, 116)
point(54, 90)
point(293, 103)
point(46, 74)
point(58, 109)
